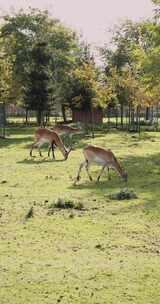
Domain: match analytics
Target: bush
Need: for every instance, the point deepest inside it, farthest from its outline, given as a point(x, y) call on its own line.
point(146, 123)
point(124, 194)
point(63, 203)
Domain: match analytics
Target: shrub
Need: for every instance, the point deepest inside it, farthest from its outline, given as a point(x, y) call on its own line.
point(124, 194)
point(63, 203)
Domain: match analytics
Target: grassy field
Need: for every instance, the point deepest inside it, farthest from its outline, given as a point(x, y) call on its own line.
point(108, 252)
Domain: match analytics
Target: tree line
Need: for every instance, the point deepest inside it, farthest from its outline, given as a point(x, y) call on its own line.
point(44, 64)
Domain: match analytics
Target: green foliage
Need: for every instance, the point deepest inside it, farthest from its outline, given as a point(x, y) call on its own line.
point(37, 92)
point(64, 203)
point(40, 49)
point(124, 194)
point(6, 81)
point(43, 64)
point(86, 88)
point(133, 64)
point(157, 2)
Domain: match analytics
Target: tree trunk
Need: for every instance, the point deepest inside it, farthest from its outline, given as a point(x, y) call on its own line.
point(108, 114)
point(122, 110)
point(147, 113)
point(116, 118)
point(26, 118)
point(157, 113)
point(39, 117)
point(152, 115)
point(46, 119)
point(132, 115)
point(138, 119)
point(92, 121)
point(63, 108)
point(126, 116)
point(129, 116)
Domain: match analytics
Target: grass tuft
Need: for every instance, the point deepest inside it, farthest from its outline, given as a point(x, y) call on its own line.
point(64, 203)
point(29, 214)
point(124, 194)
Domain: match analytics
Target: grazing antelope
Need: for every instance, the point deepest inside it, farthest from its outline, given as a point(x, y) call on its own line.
point(43, 136)
point(102, 157)
point(66, 130)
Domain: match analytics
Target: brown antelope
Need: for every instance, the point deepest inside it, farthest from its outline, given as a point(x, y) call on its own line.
point(102, 157)
point(43, 136)
point(67, 131)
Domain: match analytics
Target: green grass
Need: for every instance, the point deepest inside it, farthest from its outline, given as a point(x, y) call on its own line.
point(108, 252)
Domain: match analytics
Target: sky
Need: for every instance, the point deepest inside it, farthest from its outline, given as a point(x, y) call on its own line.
point(92, 18)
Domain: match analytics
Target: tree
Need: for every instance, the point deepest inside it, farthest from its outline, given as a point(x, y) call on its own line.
point(37, 91)
point(21, 34)
point(6, 81)
point(132, 61)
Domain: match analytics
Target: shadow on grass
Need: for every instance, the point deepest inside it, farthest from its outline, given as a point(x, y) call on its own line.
point(80, 143)
point(142, 137)
point(20, 135)
point(20, 130)
point(99, 187)
point(33, 160)
point(143, 178)
point(14, 141)
point(17, 135)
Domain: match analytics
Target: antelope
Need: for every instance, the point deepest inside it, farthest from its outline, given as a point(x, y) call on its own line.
point(42, 136)
point(66, 130)
point(102, 157)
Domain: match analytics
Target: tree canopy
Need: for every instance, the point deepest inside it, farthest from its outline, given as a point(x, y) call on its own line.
point(44, 63)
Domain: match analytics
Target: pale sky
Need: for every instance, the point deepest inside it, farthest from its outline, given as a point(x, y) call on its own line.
point(90, 17)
